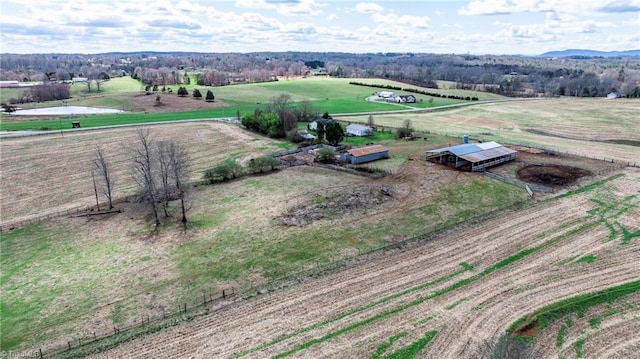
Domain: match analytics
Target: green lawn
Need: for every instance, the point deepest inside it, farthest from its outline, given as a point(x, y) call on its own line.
point(330, 95)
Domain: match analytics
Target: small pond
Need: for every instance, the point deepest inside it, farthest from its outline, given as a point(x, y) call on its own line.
point(65, 110)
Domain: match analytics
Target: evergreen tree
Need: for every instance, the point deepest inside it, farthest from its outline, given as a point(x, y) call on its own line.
point(334, 133)
point(210, 97)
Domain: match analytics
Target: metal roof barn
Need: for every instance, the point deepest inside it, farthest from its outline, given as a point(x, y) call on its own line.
point(473, 156)
point(365, 154)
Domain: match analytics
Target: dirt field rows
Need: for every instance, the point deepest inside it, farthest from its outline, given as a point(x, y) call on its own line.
point(469, 285)
point(607, 331)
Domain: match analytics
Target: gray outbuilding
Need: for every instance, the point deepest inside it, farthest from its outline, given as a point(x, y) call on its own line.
point(365, 154)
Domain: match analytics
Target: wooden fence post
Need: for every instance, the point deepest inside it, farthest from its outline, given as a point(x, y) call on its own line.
point(41, 353)
point(69, 344)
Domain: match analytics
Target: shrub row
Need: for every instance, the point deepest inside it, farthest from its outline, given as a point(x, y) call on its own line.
point(230, 169)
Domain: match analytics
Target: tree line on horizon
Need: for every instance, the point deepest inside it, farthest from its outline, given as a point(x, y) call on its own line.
point(504, 75)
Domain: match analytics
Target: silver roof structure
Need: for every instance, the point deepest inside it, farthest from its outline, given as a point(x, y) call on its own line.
point(476, 152)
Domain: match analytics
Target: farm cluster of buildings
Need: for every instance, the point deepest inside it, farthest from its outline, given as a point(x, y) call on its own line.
point(474, 157)
point(352, 129)
point(392, 97)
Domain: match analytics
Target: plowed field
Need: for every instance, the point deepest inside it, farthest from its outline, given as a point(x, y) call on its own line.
point(466, 287)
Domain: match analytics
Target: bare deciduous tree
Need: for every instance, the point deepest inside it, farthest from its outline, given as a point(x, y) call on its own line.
point(161, 169)
point(164, 172)
point(179, 165)
point(370, 121)
point(144, 169)
point(280, 104)
point(105, 178)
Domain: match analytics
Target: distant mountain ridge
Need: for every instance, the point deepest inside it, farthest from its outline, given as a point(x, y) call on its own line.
point(589, 53)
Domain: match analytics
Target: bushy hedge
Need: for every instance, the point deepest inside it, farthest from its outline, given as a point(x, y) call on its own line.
point(267, 123)
point(227, 170)
point(230, 169)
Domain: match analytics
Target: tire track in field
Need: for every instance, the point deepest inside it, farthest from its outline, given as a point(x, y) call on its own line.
point(606, 328)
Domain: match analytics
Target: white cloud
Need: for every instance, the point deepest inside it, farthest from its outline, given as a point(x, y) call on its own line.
point(283, 7)
point(256, 21)
point(485, 7)
point(395, 21)
point(315, 25)
point(621, 6)
point(580, 7)
point(368, 8)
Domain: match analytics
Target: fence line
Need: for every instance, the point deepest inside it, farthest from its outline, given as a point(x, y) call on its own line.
point(163, 319)
point(184, 312)
point(518, 183)
point(619, 162)
point(13, 224)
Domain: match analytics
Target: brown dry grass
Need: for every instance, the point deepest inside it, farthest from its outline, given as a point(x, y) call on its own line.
point(46, 174)
point(172, 103)
point(586, 122)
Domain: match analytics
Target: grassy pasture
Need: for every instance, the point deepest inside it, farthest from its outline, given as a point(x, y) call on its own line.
point(326, 94)
point(74, 270)
point(234, 239)
point(591, 126)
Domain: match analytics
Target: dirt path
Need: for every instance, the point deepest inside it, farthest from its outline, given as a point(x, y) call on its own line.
point(351, 313)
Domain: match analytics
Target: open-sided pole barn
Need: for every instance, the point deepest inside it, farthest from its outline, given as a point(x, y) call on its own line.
point(472, 156)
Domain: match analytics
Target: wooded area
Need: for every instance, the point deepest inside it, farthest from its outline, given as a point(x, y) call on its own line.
point(506, 75)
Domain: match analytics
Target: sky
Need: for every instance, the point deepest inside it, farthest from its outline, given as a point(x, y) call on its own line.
point(518, 27)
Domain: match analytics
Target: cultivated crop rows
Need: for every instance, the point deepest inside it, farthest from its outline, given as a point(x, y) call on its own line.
point(468, 286)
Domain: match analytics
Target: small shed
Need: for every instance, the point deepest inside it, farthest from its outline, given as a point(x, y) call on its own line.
point(313, 126)
point(358, 130)
point(365, 154)
point(306, 135)
point(472, 156)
